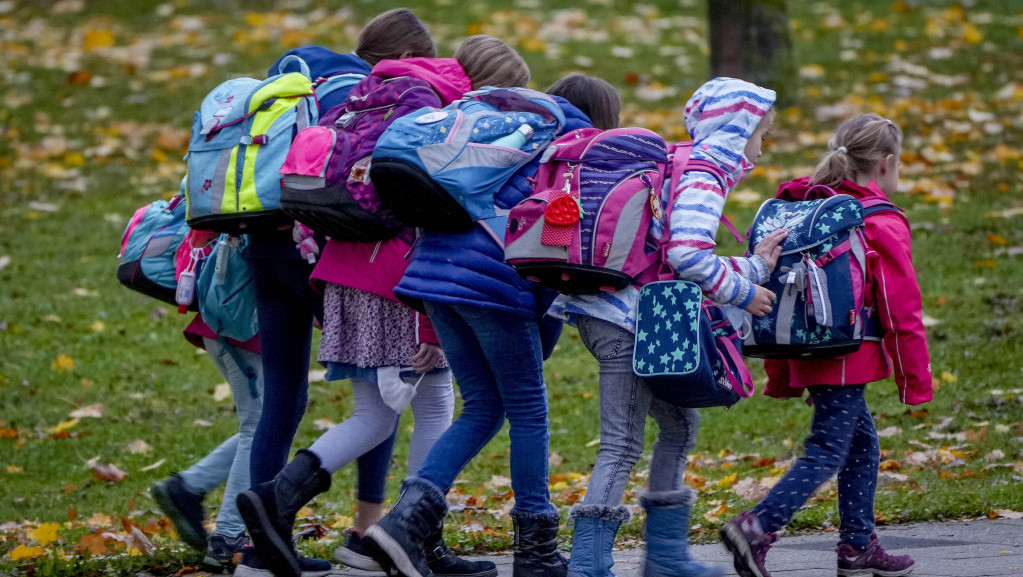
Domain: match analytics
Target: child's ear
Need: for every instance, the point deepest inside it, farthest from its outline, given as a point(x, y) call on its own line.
point(888, 163)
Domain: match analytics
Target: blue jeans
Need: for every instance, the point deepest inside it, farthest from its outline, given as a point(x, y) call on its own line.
point(286, 306)
point(495, 359)
point(230, 461)
point(625, 402)
point(843, 440)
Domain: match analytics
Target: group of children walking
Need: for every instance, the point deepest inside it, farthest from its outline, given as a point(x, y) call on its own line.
point(399, 316)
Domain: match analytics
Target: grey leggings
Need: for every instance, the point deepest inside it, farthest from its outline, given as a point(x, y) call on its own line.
point(372, 422)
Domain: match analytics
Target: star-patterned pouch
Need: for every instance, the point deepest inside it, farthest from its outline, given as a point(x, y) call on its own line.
point(686, 349)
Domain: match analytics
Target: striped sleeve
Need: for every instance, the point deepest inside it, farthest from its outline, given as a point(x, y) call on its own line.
point(694, 220)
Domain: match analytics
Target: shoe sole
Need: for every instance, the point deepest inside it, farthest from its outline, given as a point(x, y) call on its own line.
point(246, 571)
point(874, 572)
point(349, 558)
point(214, 562)
point(487, 573)
point(742, 556)
point(273, 551)
point(185, 531)
point(399, 560)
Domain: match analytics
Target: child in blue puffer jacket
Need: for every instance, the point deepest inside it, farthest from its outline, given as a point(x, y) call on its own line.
point(487, 319)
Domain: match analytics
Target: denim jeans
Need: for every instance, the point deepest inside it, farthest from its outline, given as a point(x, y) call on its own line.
point(230, 461)
point(625, 402)
point(285, 307)
point(495, 359)
point(843, 440)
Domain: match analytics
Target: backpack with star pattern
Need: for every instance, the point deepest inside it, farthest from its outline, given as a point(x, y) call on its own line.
point(819, 279)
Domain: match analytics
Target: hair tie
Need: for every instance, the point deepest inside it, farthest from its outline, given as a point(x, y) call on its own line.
point(843, 150)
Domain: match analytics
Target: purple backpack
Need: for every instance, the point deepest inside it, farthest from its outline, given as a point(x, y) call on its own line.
point(325, 178)
point(584, 229)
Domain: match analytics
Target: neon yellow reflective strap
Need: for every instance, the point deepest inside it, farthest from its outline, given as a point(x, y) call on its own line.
point(229, 203)
point(288, 90)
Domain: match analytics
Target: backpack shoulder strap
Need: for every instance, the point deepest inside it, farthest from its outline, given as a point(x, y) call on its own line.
point(875, 205)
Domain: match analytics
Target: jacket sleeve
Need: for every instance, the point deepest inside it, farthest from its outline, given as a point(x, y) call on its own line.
point(424, 330)
point(899, 306)
point(693, 224)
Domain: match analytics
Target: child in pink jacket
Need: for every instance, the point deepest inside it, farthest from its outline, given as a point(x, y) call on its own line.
point(863, 161)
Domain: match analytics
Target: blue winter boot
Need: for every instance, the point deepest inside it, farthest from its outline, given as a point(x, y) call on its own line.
point(667, 536)
point(595, 530)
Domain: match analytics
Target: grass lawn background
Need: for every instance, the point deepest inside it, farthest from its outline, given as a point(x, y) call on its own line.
point(97, 99)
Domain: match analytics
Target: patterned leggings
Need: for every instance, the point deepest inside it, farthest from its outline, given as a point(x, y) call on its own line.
point(843, 440)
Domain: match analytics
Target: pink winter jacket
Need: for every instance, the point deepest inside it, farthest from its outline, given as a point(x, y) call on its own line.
point(892, 289)
point(375, 267)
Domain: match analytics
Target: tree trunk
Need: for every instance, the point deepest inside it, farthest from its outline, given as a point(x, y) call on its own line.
point(749, 39)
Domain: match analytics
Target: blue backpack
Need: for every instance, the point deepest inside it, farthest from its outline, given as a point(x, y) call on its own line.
point(225, 291)
point(149, 247)
point(819, 279)
point(240, 137)
point(437, 169)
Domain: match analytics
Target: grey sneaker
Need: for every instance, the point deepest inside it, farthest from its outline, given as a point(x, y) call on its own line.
point(184, 508)
point(222, 550)
point(353, 553)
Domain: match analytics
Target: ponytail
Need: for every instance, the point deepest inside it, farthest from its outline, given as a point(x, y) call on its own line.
point(857, 145)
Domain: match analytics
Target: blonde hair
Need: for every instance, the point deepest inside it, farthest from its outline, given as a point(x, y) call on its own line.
point(397, 33)
point(858, 145)
point(490, 61)
point(593, 96)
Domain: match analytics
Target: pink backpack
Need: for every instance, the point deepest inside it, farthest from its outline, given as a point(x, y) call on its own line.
point(325, 177)
point(585, 228)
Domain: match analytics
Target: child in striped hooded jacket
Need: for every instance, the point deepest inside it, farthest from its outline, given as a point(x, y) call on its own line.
point(727, 119)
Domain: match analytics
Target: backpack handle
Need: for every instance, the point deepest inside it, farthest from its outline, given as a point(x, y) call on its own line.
point(293, 59)
point(824, 190)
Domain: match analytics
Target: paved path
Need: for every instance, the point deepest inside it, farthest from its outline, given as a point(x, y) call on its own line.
point(985, 548)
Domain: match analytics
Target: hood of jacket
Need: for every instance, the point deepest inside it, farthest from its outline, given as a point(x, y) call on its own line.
point(797, 189)
point(322, 62)
point(446, 75)
point(721, 116)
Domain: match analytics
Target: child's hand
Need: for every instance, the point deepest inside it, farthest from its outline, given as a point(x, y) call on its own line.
point(427, 357)
point(769, 249)
point(761, 303)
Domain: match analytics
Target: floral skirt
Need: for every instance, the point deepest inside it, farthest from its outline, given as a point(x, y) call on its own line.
point(365, 330)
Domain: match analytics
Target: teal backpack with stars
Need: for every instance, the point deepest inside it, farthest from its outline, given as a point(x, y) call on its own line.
point(819, 280)
point(687, 351)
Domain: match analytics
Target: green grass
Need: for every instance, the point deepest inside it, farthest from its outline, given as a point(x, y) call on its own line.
point(90, 135)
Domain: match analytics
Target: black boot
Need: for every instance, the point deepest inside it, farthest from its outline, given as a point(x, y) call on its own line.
point(269, 509)
point(398, 540)
point(536, 547)
point(444, 563)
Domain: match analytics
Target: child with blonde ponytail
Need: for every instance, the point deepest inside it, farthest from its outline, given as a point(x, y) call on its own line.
point(862, 161)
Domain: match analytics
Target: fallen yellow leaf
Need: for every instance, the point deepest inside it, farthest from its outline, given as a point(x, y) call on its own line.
point(62, 426)
point(63, 363)
point(45, 533)
point(24, 552)
point(95, 39)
